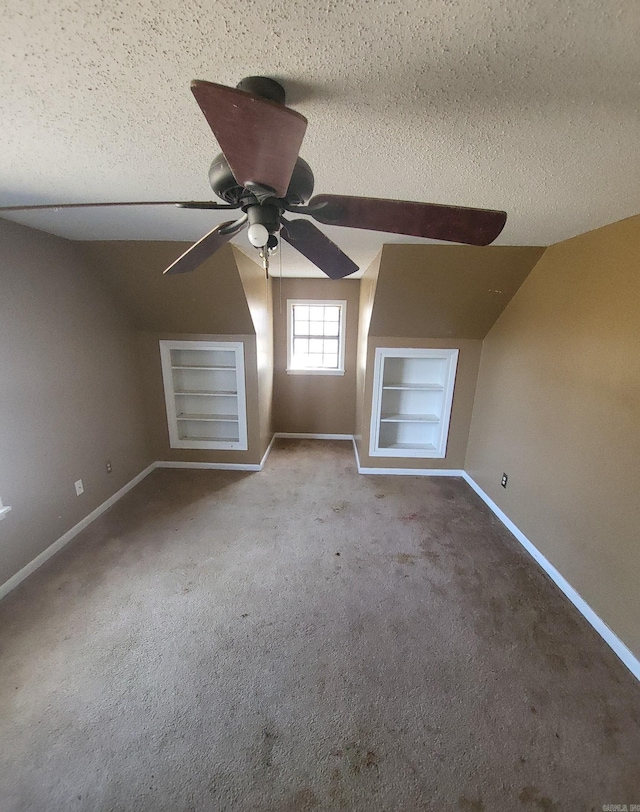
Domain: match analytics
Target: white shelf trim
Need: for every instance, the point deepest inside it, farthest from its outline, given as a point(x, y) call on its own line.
point(219, 379)
point(211, 418)
point(415, 387)
point(421, 411)
point(410, 418)
point(207, 369)
point(207, 393)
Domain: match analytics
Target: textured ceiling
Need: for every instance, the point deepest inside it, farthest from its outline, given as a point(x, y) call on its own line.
point(528, 106)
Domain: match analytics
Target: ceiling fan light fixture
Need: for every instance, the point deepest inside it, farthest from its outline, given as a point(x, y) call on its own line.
point(258, 235)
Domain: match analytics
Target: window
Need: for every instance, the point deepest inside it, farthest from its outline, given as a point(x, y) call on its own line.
point(315, 337)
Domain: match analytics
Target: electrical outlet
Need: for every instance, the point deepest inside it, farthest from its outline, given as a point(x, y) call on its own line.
point(503, 481)
point(79, 487)
point(108, 466)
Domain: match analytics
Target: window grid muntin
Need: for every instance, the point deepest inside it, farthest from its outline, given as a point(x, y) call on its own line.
point(316, 340)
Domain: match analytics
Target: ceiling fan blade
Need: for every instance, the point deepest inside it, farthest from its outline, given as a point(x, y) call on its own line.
point(207, 246)
point(184, 204)
point(260, 138)
point(318, 248)
point(452, 223)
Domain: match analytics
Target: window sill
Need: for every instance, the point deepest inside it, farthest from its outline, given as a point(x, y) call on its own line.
point(315, 371)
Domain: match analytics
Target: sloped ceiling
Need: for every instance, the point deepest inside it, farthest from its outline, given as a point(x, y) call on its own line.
point(438, 291)
point(530, 107)
point(187, 303)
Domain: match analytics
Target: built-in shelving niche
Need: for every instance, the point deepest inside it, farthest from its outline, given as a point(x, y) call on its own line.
point(204, 386)
point(412, 397)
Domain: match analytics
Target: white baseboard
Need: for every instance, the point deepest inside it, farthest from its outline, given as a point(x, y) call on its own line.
point(298, 435)
point(45, 555)
point(220, 466)
point(624, 653)
point(267, 452)
point(212, 466)
point(405, 471)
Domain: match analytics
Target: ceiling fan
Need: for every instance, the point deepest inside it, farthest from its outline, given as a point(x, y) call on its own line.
point(260, 173)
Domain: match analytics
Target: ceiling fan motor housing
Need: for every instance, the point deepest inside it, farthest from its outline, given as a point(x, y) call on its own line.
point(266, 215)
point(226, 187)
point(264, 87)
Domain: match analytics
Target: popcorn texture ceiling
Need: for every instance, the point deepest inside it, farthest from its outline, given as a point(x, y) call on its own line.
point(532, 107)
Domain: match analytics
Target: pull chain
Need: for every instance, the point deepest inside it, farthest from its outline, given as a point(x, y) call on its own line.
point(264, 255)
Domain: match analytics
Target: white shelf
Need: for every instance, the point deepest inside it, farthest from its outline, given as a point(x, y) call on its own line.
point(411, 446)
point(412, 397)
point(410, 418)
point(205, 371)
point(206, 440)
point(206, 394)
point(221, 418)
point(199, 366)
point(415, 387)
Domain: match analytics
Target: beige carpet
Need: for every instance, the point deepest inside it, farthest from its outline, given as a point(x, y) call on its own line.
point(306, 638)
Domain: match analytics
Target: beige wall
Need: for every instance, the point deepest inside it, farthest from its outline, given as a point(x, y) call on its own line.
point(558, 410)
point(314, 404)
point(446, 291)
point(463, 395)
point(434, 296)
point(211, 299)
point(70, 398)
point(368, 283)
point(227, 298)
point(258, 291)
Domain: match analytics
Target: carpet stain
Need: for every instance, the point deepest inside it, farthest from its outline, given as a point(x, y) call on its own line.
point(379, 496)
point(340, 507)
point(431, 555)
point(359, 758)
point(531, 795)
point(410, 517)
point(611, 729)
point(336, 791)
point(303, 799)
point(469, 805)
point(269, 736)
point(405, 558)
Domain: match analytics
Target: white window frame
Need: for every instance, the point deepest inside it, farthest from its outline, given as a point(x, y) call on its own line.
point(342, 304)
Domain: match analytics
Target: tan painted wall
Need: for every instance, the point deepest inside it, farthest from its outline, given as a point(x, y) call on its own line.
point(315, 404)
point(368, 283)
point(434, 296)
point(70, 398)
point(444, 291)
point(221, 300)
point(463, 395)
point(211, 299)
point(558, 409)
point(259, 293)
